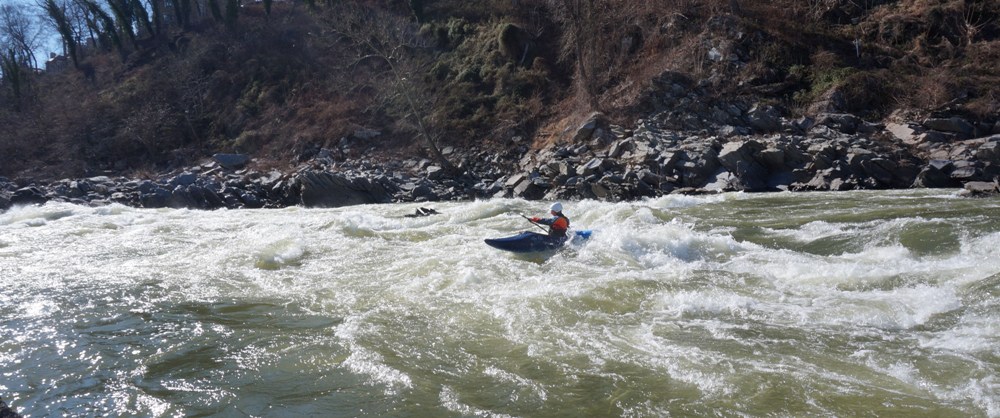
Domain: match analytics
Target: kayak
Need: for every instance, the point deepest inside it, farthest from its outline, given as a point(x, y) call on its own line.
point(530, 242)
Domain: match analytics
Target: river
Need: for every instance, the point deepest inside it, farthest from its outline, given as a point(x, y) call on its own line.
point(783, 304)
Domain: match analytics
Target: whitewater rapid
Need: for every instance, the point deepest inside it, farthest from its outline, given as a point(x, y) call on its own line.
point(855, 303)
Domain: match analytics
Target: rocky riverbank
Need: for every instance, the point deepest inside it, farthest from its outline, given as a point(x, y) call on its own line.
point(689, 143)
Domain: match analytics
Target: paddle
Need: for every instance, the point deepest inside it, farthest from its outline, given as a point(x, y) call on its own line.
point(534, 223)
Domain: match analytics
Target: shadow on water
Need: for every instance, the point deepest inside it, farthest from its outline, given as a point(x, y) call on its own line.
point(540, 257)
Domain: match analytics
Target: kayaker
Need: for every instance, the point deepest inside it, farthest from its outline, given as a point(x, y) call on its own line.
point(558, 223)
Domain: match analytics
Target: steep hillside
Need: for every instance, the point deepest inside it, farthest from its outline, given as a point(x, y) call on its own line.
point(379, 79)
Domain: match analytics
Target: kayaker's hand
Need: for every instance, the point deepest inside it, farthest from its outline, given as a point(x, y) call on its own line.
point(535, 219)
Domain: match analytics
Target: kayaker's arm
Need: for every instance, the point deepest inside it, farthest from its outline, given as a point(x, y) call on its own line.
point(543, 221)
point(536, 222)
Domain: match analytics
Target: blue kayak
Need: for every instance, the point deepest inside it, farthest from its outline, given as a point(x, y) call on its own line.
point(530, 242)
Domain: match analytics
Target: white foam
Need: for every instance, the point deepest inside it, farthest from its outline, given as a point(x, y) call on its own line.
point(280, 253)
point(657, 287)
point(366, 362)
point(811, 231)
point(974, 334)
point(680, 201)
point(676, 305)
point(902, 308)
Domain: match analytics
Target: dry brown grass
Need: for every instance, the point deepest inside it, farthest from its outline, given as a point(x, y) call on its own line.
point(275, 87)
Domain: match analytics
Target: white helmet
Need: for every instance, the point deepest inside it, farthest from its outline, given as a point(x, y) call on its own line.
point(556, 207)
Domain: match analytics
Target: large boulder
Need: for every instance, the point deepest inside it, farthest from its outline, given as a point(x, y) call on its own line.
point(184, 179)
point(989, 151)
point(952, 124)
point(764, 118)
point(841, 122)
point(741, 159)
point(586, 130)
point(231, 161)
point(936, 174)
point(534, 189)
point(980, 188)
point(153, 196)
point(698, 167)
point(902, 132)
point(596, 166)
point(28, 196)
point(326, 189)
point(880, 169)
point(181, 197)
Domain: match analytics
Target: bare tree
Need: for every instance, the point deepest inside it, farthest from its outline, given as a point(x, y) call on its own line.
point(58, 17)
point(582, 42)
point(13, 75)
point(392, 47)
point(104, 25)
point(20, 33)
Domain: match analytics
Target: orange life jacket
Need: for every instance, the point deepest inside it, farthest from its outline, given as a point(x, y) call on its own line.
point(559, 226)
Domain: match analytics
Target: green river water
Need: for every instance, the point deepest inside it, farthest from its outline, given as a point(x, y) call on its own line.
point(735, 305)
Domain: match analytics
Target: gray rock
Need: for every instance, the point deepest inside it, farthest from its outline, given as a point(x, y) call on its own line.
point(620, 147)
point(764, 118)
point(880, 169)
point(181, 197)
point(586, 130)
point(932, 137)
point(698, 167)
point(28, 196)
point(594, 166)
point(936, 174)
point(772, 158)
point(212, 199)
point(154, 198)
point(989, 151)
point(599, 191)
point(980, 188)
point(739, 158)
point(842, 122)
point(842, 185)
point(721, 181)
point(550, 170)
point(184, 179)
point(251, 200)
point(856, 158)
point(365, 133)
point(781, 180)
point(902, 132)
point(667, 161)
point(566, 170)
point(231, 161)
point(435, 172)
point(423, 192)
point(531, 190)
point(326, 189)
point(964, 171)
point(952, 124)
point(824, 156)
point(516, 180)
point(147, 186)
point(831, 101)
point(650, 177)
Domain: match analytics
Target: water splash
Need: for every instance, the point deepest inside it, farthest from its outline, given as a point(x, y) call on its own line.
point(838, 304)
